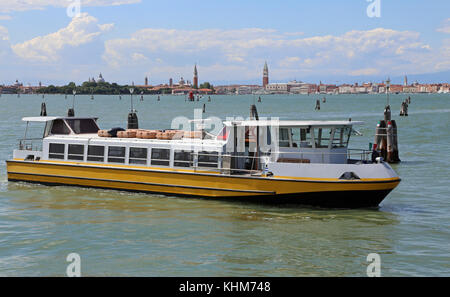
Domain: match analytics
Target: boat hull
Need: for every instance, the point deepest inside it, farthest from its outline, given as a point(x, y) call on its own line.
point(188, 183)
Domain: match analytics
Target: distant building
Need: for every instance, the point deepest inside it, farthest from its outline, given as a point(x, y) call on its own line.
point(100, 79)
point(346, 89)
point(17, 84)
point(405, 83)
point(265, 75)
point(277, 87)
point(410, 89)
point(247, 89)
point(361, 90)
point(396, 89)
point(195, 80)
point(445, 88)
point(170, 82)
point(146, 81)
point(328, 89)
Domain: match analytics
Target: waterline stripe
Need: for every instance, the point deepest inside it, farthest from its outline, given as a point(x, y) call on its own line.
point(144, 183)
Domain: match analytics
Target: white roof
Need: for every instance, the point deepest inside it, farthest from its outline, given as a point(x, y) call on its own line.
point(94, 138)
point(39, 119)
point(292, 123)
point(48, 119)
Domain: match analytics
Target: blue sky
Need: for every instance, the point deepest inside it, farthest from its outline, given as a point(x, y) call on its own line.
point(126, 40)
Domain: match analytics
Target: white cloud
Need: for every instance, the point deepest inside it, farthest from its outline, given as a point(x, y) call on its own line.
point(5, 48)
point(5, 17)
point(78, 51)
point(81, 30)
point(445, 27)
point(366, 71)
point(4, 34)
point(289, 62)
point(23, 5)
point(371, 52)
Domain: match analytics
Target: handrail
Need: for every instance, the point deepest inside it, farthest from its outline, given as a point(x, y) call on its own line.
point(29, 144)
point(364, 156)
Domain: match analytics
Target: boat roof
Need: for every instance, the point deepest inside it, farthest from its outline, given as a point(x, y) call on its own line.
point(92, 138)
point(49, 118)
point(292, 123)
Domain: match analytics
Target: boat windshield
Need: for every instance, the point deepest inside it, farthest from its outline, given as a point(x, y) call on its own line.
point(316, 137)
point(83, 126)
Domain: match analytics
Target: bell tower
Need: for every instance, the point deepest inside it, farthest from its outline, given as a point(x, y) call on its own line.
point(265, 75)
point(195, 80)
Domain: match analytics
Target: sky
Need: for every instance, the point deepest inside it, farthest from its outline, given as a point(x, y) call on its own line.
point(54, 42)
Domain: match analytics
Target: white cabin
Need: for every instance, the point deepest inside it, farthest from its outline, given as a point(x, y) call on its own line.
point(241, 147)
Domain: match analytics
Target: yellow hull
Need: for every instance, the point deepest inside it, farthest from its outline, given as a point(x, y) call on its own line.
point(196, 183)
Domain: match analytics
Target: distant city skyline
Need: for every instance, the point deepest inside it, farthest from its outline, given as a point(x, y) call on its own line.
point(311, 41)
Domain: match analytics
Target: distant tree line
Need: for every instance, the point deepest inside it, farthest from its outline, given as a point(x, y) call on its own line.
point(207, 85)
point(104, 88)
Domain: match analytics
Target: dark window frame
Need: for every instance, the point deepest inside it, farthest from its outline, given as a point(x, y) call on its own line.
point(58, 155)
point(183, 161)
point(208, 162)
point(158, 160)
point(119, 157)
point(64, 128)
point(137, 160)
point(75, 155)
point(83, 126)
point(96, 157)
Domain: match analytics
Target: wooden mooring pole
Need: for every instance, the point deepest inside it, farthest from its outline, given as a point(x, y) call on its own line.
point(386, 140)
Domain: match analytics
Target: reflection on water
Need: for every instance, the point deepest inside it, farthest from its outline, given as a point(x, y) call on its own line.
point(194, 235)
point(125, 234)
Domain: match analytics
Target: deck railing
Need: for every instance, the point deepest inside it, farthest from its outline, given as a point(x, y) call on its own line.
point(30, 144)
point(256, 162)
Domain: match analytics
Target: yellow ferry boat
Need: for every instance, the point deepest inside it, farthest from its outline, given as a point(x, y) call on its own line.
point(282, 162)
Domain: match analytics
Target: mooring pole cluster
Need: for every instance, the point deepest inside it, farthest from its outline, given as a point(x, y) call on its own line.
point(404, 107)
point(386, 141)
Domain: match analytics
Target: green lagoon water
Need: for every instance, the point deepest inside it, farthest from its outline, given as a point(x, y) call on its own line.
point(127, 234)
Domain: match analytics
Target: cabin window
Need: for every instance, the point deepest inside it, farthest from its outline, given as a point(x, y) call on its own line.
point(59, 127)
point(341, 137)
point(116, 154)
point(96, 153)
point(208, 159)
point(284, 137)
point(138, 155)
point(322, 137)
point(295, 135)
point(160, 157)
point(83, 126)
point(76, 152)
point(56, 151)
point(269, 136)
point(305, 138)
point(183, 158)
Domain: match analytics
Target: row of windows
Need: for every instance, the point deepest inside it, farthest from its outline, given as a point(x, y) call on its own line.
point(137, 155)
point(303, 137)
